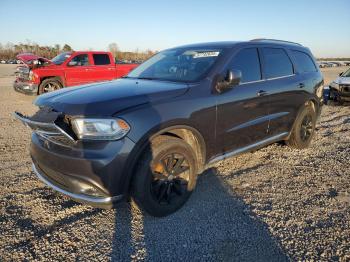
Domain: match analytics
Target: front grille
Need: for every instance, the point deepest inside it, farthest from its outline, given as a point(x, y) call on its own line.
point(57, 139)
point(22, 73)
point(345, 88)
point(50, 126)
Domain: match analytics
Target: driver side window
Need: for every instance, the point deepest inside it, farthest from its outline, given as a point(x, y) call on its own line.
point(248, 62)
point(80, 60)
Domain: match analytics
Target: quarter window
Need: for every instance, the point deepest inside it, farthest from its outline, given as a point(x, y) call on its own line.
point(304, 62)
point(101, 59)
point(276, 63)
point(247, 61)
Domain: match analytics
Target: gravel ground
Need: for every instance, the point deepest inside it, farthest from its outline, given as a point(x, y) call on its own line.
point(274, 204)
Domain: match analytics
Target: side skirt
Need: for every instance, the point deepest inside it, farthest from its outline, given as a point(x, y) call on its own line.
point(251, 147)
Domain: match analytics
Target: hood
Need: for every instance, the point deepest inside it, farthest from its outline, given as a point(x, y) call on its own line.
point(109, 98)
point(342, 80)
point(32, 60)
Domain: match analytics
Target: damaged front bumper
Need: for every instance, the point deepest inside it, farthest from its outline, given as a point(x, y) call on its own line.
point(86, 173)
point(337, 93)
point(25, 87)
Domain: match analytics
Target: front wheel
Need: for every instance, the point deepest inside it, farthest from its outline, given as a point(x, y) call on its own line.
point(165, 176)
point(49, 85)
point(303, 129)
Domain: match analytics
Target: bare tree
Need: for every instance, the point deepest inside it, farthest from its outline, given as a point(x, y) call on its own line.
point(114, 49)
point(67, 48)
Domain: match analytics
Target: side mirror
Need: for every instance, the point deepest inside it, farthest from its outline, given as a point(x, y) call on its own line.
point(227, 81)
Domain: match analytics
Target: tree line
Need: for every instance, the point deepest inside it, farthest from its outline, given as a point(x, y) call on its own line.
point(9, 51)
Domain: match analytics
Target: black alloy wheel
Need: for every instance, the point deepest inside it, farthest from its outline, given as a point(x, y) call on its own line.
point(303, 128)
point(170, 178)
point(306, 128)
point(165, 177)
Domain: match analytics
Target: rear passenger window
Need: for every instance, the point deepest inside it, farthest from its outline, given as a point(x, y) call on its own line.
point(276, 63)
point(247, 61)
point(304, 62)
point(101, 59)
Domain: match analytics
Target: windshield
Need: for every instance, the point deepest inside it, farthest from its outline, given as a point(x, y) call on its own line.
point(346, 73)
point(180, 65)
point(58, 60)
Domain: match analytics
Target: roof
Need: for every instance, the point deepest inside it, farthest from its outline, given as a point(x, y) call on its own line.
point(229, 44)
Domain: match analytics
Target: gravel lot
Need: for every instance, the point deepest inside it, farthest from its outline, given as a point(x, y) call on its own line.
point(274, 204)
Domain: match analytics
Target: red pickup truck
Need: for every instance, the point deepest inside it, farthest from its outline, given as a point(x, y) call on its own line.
point(39, 75)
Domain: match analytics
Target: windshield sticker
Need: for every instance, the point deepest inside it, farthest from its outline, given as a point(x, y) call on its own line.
point(206, 54)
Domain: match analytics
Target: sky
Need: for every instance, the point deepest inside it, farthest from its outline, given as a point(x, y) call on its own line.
point(321, 25)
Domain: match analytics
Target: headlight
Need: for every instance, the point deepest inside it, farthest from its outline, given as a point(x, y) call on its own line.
point(32, 76)
point(334, 85)
point(100, 129)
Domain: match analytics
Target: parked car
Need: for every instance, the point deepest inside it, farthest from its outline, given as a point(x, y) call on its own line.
point(66, 70)
point(322, 64)
point(339, 89)
point(149, 134)
point(2, 61)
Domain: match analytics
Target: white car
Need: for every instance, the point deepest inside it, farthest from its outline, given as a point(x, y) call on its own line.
point(340, 87)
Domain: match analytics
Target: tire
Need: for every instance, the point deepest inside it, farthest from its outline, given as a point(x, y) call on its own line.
point(303, 129)
point(49, 85)
point(165, 177)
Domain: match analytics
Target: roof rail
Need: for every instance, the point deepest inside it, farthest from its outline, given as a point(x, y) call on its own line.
point(273, 40)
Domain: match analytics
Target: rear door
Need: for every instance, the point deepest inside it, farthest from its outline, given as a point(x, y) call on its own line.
point(78, 69)
point(284, 87)
point(242, 111)
point(104, 68)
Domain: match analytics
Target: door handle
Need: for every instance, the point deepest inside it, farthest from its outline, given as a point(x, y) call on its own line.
point(88, 69)
point(301, 85)
point(110, 68)
point(261, 93)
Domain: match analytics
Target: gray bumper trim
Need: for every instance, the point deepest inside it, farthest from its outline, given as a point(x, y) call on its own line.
point(101, 202)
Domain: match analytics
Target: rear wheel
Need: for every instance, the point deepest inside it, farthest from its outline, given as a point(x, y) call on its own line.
point(165, 177)
point(304, 128)
point(49, 85)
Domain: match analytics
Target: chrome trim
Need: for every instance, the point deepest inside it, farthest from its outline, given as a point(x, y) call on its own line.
point(250, 147)
point(28, 122)
point(105, 202)
point(257, 121)
point(266, 79)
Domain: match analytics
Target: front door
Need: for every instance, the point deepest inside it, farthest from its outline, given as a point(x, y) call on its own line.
point(78, 70)
point(242, 111)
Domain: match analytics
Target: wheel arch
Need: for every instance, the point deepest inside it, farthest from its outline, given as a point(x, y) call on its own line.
point(58, 78)
point(185, 132)
point(313, 103)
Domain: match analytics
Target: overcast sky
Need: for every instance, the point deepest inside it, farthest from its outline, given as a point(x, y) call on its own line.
point(321, 25)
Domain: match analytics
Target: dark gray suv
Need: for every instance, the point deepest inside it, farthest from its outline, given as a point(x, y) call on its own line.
point(151, 133)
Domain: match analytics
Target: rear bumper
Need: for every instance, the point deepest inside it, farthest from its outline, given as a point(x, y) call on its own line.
point(25, 87)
